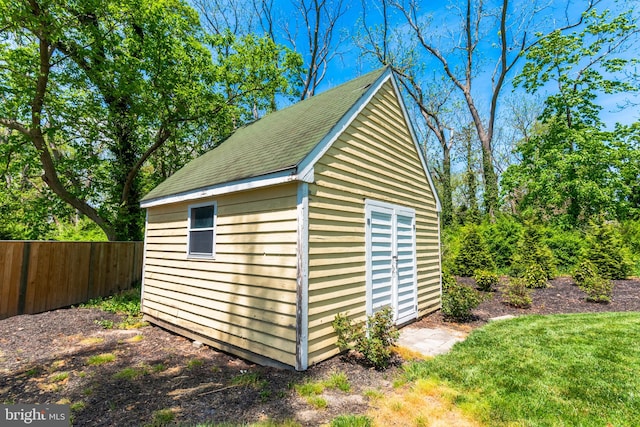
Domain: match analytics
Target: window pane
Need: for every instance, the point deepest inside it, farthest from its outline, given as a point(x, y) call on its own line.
point(201, 242)
point(202, 217)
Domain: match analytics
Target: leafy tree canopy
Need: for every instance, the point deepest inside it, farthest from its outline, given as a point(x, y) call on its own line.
point(101, 89)
point(572, 169)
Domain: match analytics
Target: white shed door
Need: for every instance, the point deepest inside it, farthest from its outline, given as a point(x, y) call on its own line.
point(391, 260)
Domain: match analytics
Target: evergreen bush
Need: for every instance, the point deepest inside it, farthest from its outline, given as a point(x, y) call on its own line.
point(458, 301)
point(598, 289)
point(516, 293)
point(535, 277)
point(532, 250)
point(486, 280)
point(566, 246)
point(607, 252)
point(502, 237)
point(473, 254)
point(585, 270)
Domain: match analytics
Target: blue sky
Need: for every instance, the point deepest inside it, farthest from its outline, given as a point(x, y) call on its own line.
point(444, 16)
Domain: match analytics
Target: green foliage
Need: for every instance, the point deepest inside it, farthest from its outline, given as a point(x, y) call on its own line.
point(516, 293)
point(532, 251)
point(572, 169)
point(108, 98)
point(351, 421)
point(502, 237)
point(597, 288)
point(604, 248)
point(101, 359)
point(163, 417)
point(585, 270)
point(126, 302)
point(486, 280)
point(473, 254)
point(338, 381)
point(248, 379)
point(535, 277)
point(566, 246)
point(82, 230)
point(447, 280)
point(630, 233)
point(374, 339)
point(458, 301)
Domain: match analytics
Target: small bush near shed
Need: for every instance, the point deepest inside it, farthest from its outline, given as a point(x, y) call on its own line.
point(458, 301)
point(374, 339)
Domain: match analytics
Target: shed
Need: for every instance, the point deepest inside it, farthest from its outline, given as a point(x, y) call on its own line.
point(321, 208)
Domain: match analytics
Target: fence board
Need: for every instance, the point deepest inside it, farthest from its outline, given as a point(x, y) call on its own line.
point(10, 272)
point(37, 276)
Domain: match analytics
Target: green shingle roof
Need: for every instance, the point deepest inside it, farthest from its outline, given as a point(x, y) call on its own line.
point(277, 142)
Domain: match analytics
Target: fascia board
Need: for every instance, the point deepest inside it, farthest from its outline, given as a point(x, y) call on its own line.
point(280, 177)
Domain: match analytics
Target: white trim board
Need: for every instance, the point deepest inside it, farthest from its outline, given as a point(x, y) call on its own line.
point(275, 178)
point(302, 279)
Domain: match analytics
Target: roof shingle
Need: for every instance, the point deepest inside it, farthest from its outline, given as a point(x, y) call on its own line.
point(279, 141)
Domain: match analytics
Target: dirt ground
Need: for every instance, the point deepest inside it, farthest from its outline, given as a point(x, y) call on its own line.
point(51, 358)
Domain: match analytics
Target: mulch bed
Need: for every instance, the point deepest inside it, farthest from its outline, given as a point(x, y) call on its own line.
point(44, 359)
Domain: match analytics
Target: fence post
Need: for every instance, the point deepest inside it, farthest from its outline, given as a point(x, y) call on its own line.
point(24, 277)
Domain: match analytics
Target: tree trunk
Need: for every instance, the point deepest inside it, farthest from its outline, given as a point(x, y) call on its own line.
point(490, 181)
point(447, 199)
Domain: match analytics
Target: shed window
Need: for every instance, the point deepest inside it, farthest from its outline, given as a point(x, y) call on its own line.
point(202, 223)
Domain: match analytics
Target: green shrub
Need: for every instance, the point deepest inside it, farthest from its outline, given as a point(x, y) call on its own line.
point(516, 293)
point(486, 280)
point(598, 289)
point(447, 280)
point(589, 280)
point(566, 246)
point(473, 254)
point(532, 250)
point(630, 234)
point(585, 270)
point(607, 252)
point(502, 237)
point(535, 277)
point(374, 339)
point(451, 237)
point(458, 301)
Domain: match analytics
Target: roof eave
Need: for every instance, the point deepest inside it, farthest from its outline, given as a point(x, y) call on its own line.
point(274, 178)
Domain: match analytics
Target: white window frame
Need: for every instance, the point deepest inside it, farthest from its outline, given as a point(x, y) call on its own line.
point(198, 255)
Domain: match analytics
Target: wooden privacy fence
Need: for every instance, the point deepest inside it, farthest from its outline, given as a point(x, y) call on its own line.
point(37, 276)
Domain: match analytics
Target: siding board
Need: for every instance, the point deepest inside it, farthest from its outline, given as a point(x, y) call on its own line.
point(246, 296)
point(374, 158)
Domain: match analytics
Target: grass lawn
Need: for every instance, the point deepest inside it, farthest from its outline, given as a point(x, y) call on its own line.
point(562, 370)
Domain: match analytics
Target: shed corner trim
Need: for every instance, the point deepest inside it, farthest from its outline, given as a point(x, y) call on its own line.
point(302, 278)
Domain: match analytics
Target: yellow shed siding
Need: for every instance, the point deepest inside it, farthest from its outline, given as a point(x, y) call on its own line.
point(244, 300)
point(375, 158)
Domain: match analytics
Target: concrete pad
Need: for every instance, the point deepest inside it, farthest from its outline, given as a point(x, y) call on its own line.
point(505, 317)
point(430, 341)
